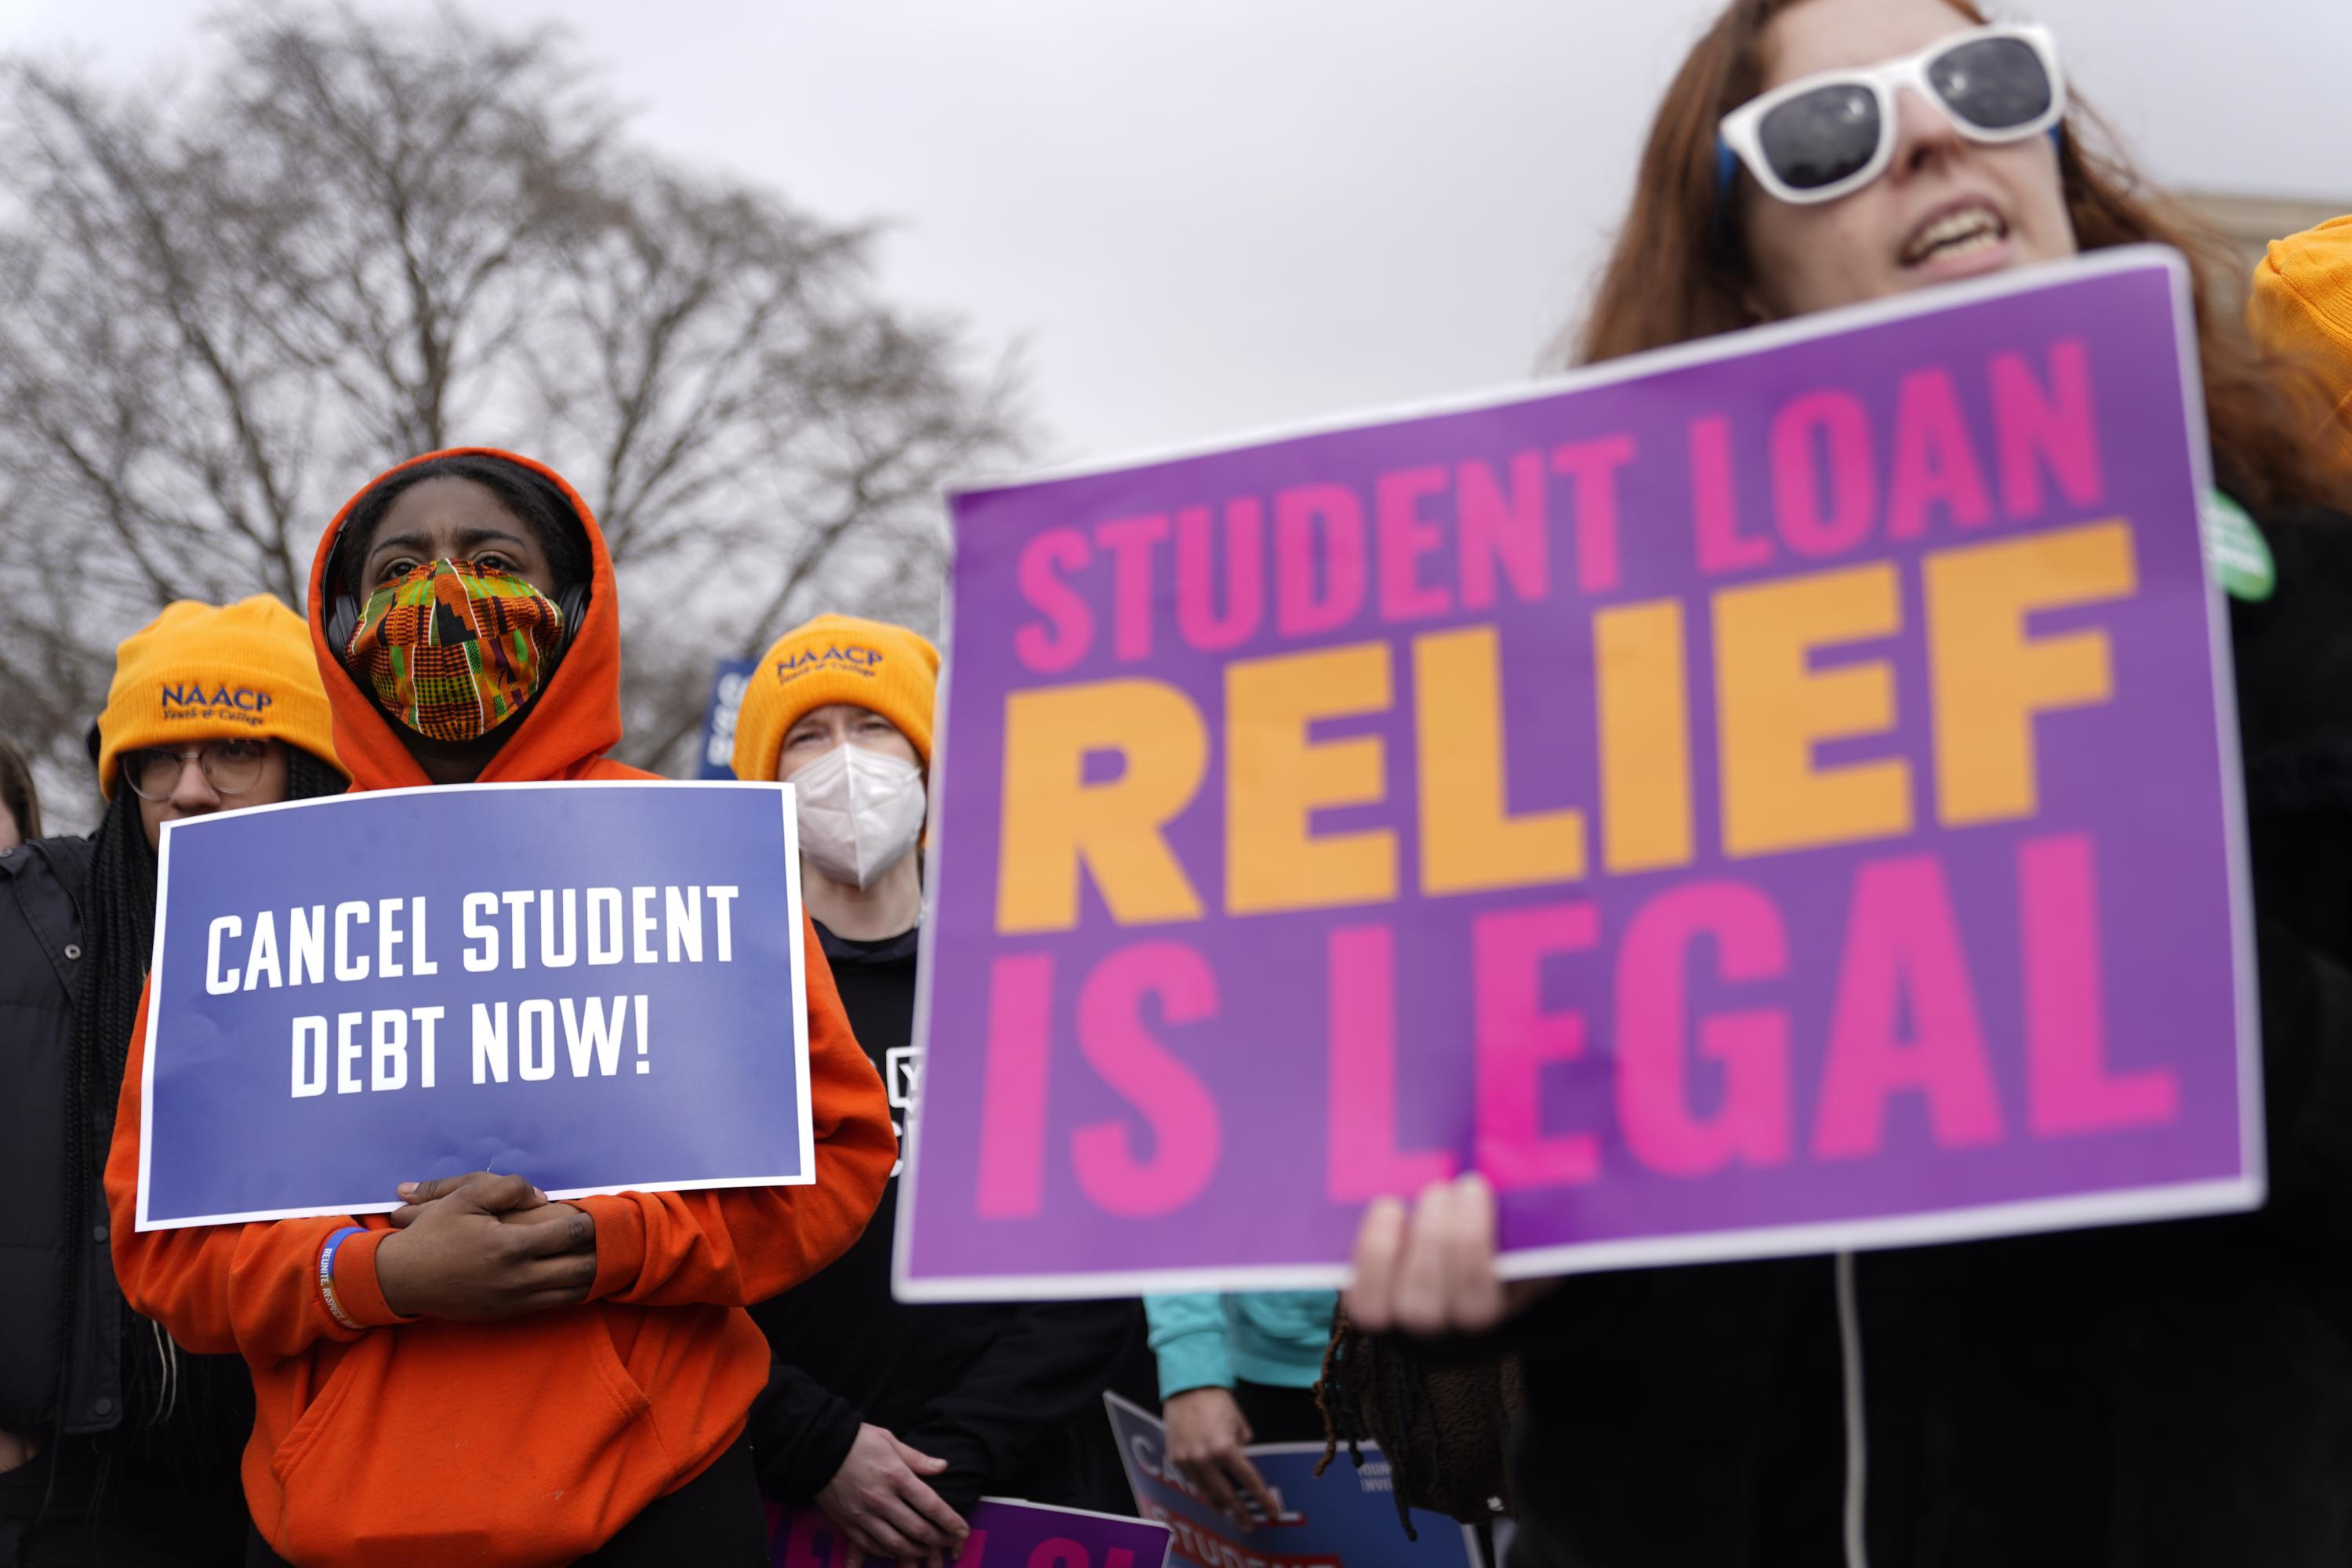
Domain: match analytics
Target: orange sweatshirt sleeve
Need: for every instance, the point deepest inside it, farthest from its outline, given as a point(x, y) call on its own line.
point(732, 1247)
point(222, 1290)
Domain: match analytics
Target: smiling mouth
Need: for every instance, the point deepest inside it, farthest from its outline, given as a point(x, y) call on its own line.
point(1960, 232)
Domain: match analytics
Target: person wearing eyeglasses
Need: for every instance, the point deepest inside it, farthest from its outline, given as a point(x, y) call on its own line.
point(116, 1444)
point(2134, 1396)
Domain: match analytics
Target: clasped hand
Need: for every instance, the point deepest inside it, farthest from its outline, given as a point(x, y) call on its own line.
point(879, 1500)
point(479, 1248)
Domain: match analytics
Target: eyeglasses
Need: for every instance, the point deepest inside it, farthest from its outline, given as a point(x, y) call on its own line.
point(1822, 136)
point(231, 767)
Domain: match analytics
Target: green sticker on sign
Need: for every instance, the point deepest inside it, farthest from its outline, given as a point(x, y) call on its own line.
point(2235, 549)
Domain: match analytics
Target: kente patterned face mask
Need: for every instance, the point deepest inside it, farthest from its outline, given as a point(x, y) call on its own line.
point(453, 653)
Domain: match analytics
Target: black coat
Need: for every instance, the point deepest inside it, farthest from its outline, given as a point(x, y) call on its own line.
point(2132, 1397)
point(42, 888)
point(118, 1485)
point(1010, 1396)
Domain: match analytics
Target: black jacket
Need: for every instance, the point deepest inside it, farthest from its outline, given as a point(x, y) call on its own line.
point(42, 886)
point(2132, 1397)
point(117, 1485)
point(1008, 1396)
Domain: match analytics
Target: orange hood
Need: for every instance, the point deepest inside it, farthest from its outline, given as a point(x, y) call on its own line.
point(577, 718)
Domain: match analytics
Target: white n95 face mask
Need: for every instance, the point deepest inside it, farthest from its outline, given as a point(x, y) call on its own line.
point(860, 812)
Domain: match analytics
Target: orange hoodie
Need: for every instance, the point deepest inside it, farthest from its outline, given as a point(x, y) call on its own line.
point(532, 1440)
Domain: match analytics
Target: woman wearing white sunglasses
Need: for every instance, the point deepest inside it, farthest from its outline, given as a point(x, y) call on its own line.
point(2147, 1396)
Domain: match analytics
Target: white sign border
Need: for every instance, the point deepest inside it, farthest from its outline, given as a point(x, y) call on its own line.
point(800, 998)
point(2139, 1205)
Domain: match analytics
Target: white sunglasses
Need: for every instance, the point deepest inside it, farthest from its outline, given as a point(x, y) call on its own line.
point(1820, 136)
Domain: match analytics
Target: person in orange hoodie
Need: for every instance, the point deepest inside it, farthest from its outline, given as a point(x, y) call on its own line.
point(483, 1376)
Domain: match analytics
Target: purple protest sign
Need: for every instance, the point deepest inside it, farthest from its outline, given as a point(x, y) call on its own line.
point(1004, 1534)
point(1775, 795)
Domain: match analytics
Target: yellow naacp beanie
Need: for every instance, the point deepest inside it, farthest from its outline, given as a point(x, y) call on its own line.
point(200, 672)
point(2302, 305)
point(837, 658)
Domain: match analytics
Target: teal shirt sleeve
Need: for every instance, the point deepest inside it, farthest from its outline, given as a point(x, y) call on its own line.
point(1188, 1335)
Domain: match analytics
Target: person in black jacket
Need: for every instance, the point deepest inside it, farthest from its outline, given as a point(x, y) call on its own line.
point(896, 1419)
point(116, 1447)
point(2125, 1398)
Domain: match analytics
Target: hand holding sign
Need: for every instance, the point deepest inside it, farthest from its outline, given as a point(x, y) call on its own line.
point(1434, 1273)
point(1003, 1535)
point(479, 1248)
point(1207, 1434)
point(1344, 1516)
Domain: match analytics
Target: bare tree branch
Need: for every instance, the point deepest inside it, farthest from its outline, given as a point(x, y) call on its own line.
point(364, 236)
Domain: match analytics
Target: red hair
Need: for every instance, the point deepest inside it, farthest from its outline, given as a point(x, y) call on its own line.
point(1675, 275)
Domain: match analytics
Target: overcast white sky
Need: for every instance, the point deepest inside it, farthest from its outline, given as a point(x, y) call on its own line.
point(1203, 217)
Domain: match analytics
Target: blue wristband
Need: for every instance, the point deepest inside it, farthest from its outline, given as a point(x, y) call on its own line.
point(326, 1275)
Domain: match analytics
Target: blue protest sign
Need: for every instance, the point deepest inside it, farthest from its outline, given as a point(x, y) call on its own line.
point(1344, 1518)
point(726, 683)
point(596, 985)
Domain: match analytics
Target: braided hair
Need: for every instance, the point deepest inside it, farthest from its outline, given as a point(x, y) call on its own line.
point(1442, 1424)
point(1370, 1393)
point(159, 1385)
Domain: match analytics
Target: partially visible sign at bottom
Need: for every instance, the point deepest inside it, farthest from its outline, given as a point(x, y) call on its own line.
point(1004, 1534)
point(1344, 1518)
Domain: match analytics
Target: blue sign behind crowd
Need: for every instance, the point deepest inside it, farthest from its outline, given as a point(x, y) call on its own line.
point(726, 682)
point(594, 986)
